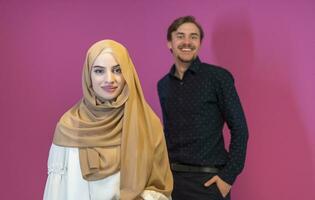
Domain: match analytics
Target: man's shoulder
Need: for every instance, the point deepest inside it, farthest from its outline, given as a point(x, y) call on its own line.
point(162, 85)
point(163, 80)
point(214, 70)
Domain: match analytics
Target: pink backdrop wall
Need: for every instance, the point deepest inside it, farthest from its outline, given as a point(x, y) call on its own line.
point(268, 45)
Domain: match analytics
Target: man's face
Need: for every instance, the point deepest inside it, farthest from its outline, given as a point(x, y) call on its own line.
point(185, 43)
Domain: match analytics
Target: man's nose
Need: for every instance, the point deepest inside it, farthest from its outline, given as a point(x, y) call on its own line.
point(187, 40)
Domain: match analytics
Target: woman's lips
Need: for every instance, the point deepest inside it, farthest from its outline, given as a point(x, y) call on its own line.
point(109, 89)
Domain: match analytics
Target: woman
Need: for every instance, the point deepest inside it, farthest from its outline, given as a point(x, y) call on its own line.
point(110, 145)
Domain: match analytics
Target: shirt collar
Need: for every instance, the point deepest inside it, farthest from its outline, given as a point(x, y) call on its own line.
point(193, 67)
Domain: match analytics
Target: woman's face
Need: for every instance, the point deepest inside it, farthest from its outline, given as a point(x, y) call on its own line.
point(106, 76)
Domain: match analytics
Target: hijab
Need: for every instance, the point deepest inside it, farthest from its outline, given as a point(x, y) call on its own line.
point(121, 135)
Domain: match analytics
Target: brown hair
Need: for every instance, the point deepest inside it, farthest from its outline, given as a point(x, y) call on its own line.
point(181, 20)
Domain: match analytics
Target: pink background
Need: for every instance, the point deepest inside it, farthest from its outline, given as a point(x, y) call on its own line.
point(268, 45)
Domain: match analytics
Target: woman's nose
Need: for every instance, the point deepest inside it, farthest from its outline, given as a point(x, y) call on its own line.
point(109, 77)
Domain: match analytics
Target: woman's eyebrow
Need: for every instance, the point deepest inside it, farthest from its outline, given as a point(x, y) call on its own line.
point(97, 66)
point(105, 67)
point(115, 66)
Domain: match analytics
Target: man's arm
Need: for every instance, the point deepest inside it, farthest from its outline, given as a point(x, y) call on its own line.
point(232, 111)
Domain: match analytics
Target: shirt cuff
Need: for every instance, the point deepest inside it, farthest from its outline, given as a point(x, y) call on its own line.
point(228, 178)
point(153, 195)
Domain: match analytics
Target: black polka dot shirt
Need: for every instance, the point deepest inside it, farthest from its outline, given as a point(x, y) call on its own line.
point(194, 112)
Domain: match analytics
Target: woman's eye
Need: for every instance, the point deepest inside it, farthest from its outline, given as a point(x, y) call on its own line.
point(117, 70)
point(98, 71)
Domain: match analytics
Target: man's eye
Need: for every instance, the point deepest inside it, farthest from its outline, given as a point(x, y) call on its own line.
point(194, 37)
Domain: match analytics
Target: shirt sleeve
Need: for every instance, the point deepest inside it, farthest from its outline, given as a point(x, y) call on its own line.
point(161, 93)
point(55, 184)
point(153, 195)
point(232, 111)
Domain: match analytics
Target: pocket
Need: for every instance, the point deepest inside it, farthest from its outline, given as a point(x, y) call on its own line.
point(220, 195)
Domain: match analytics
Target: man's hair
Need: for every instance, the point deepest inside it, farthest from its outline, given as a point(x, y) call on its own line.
point(178, 22)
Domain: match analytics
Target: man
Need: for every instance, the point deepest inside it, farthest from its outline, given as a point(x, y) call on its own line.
point(196, 100)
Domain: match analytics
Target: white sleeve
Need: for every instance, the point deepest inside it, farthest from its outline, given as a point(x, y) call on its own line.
point(153, 195)
point(56, 185)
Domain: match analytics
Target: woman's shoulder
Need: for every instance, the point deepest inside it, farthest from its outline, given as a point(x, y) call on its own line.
point(58, 156)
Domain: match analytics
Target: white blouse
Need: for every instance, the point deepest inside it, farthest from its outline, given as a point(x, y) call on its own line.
point(65, 181)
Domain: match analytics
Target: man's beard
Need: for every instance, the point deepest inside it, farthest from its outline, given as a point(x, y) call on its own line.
point(186, 60)
point(184, 46)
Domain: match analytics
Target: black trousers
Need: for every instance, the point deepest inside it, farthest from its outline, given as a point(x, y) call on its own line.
point(190, 186)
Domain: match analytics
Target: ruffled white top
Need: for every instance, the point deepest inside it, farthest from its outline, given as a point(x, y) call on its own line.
point(65, 181)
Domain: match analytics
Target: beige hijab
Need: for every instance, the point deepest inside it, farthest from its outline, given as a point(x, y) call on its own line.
point(122, 135)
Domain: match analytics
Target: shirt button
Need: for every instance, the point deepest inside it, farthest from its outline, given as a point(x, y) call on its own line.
point(182, 83)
